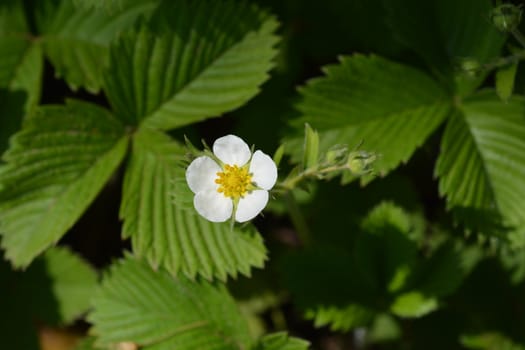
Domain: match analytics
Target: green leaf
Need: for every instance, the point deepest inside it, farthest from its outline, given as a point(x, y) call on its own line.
point(13, 18)
point(443, 32)
point(505, 77)
point(11, 114)
point(70, 283)
point(489, 341)
point(378, 268)
point(385, 249)
point(445, 270)
point(76, 40)
point(21, 67)
point(327, 294)
point(155, 311)
point(86, 344)
point(482, 159)
point(311, 147)
point(157, 209)
point(281, 341)
point(107, 5)
point(73, 282)
point(339, 318)
point(278, 155)
point(514, 262)
point(359, 100)
point(56, 165)
point(54, 290)
point(385, 328)
point(192, 62)
point(413, 304)
point(438, 276)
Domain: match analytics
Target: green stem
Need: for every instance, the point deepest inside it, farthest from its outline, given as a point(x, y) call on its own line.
point(298, 219)
point(504, 61)
point(286, 188)
point(519, 37)
point(290, 183)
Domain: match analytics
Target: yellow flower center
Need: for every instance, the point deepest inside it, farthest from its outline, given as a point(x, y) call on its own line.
point(233, 181)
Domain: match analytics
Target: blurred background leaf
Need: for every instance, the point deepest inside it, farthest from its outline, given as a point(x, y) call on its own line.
point(446, 32)
point(280, 341)
point(505, 77)
point(65, 284)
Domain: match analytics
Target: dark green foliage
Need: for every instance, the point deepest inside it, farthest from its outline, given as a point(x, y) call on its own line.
point(65, 284)
point(382, 272)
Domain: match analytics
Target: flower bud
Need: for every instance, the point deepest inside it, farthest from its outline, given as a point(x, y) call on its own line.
point(336, 154)
point(468, 66)
point(506, 17)
point(360, 162)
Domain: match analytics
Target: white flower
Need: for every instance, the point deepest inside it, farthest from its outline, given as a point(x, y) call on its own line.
point(235, 183)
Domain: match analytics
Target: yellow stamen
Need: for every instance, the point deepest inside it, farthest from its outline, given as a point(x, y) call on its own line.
point(234, 182)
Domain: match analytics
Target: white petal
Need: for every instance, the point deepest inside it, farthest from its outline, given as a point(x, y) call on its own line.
point(251, 205)
point(213, 205)
point(232, 150)
point(264, 170)
point(201, 174)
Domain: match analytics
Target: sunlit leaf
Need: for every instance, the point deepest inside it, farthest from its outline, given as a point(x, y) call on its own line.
point(311, 147)
point(341, 318)
point(414, 304)
point(482, 159)
point(55, 167)
point(385, 328)
point(191, 62)
point(156, 311)
point(360, 101)
point(489, 341)
point(505, 77)
point(281, 341)
point(76, 40)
